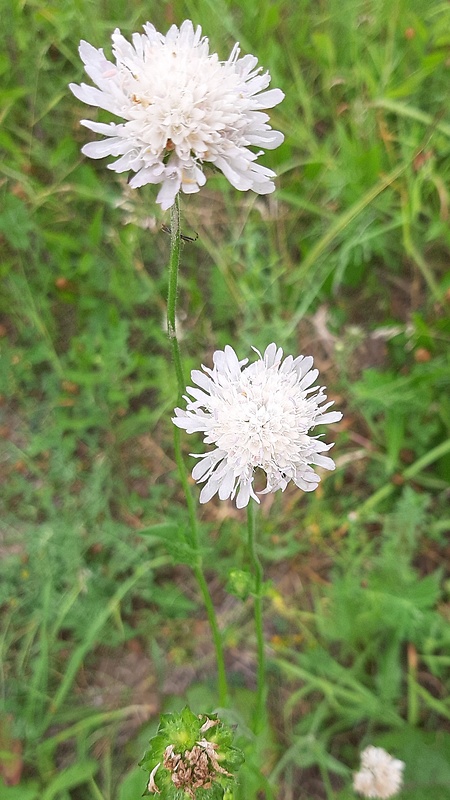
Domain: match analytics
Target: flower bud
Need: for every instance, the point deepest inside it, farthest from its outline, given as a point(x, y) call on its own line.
point(191, 752)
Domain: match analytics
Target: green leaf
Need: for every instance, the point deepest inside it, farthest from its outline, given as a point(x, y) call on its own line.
point(74, 775)
point(25, 791)
point(15, 222)
point(133, 785)
point(427, 760)
point(160, 531)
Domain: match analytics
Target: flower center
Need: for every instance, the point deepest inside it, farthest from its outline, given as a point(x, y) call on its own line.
point(263, 421)
point(189, 99)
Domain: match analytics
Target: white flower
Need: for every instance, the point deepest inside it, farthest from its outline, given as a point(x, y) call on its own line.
point(380, 775)
point(258, 415)
point(182, 107)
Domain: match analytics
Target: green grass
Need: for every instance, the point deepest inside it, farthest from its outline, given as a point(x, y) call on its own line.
point(348, 261)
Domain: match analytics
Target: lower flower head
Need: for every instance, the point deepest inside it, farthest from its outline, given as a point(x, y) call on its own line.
point(257, 415)
point(190, 753)
point(380, 776)
point(180, 107)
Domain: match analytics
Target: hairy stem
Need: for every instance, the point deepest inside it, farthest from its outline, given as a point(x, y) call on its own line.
point(175, 250)
point(259, 717)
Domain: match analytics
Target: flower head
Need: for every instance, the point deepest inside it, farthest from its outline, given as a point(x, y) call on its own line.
point(258, 415)
point(380, 775)
point(181, 107)
point(191, 753)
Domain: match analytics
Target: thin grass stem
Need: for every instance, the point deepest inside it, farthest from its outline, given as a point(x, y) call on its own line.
point(95, 791)
point(326, 782)
point(413, 697)
point(90, 636)
point(409, 473)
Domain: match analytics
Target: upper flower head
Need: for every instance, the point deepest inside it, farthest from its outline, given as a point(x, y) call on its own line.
point(380, 775)
point(182, 107)
point(258, 415)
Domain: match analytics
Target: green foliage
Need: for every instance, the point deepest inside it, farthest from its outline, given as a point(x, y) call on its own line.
point(376, 620)
point(404, 410)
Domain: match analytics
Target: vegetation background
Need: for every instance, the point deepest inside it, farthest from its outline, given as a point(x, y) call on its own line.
point(101, 627)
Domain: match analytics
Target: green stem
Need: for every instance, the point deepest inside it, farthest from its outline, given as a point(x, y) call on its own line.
point(259, 718)
point(175, 249)
point(408, 474)
point(326, 782)
point(413, 698)
point(95, 790)
point(174, 263)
